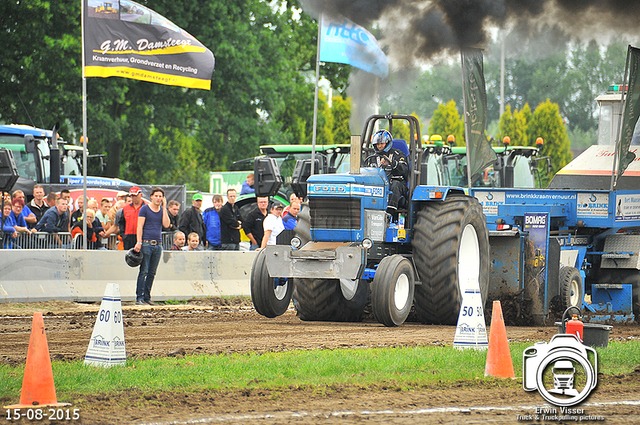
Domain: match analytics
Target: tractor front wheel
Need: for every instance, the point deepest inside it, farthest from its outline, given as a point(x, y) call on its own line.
point(270, 296)
point(392, 290)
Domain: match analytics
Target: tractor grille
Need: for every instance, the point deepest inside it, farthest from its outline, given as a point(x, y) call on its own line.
point(335, 213)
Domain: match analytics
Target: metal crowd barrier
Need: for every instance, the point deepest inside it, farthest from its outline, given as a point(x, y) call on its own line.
point(42, 240)
point(64, 240)
point(167, 240)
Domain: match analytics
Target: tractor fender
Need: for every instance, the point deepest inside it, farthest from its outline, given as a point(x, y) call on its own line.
point(435, 193)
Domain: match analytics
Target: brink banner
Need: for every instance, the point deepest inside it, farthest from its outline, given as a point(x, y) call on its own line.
point(124, 39)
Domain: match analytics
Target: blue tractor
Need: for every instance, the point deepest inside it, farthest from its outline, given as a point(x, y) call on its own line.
point(348, 249)
point(574, 244)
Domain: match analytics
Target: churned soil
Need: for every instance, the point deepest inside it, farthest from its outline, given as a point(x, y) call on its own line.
point(213, 326)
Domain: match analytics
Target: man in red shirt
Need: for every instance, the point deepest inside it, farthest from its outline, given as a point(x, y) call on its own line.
point(130, 216)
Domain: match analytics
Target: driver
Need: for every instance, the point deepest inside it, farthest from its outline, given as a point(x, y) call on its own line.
point(394, 164)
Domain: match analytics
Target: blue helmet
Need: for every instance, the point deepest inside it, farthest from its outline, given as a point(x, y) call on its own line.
point(382, 136)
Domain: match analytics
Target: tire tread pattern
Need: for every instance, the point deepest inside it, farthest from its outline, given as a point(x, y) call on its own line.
point(437, 235)
point(566, 276)
point(322, 300)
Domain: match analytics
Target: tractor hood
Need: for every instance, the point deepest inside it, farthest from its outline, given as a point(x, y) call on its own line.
point(367, 176)
point(593, 168)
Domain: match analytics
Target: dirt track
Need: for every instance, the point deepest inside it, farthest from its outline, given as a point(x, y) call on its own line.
point(221, 326)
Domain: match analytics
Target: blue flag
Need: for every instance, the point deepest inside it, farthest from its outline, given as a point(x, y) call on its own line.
point(344, 41)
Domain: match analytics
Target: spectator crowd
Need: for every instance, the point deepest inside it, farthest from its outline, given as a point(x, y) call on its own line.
point(112, 223)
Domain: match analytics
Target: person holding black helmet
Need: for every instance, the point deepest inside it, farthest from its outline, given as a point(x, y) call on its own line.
point(394, 164)
point(151, 219)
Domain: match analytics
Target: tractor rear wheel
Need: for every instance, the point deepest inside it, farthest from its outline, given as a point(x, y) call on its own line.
point(392, 290)
point(322, 300)
point(571, 291)
point(270, 296)
point(451, 248)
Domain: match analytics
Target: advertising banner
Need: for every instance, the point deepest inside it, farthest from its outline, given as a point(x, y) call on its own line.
point(631, 112)
point(122, 38)
point(480, 154)
point(535, 272)
point(171, 192)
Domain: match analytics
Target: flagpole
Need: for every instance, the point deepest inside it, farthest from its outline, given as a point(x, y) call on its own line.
point(315, 99)
point(84, 136)
point(616, 158)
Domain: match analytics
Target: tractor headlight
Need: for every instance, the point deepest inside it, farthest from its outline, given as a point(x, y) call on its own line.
point(296, 242)
point(367, 243)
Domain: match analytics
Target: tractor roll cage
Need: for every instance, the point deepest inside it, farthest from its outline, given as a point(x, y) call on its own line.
point(414, 143)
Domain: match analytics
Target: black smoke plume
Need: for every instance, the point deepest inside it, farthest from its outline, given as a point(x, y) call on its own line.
point(422, 30)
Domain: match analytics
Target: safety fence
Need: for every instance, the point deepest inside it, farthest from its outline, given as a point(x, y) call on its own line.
point(64, 240)
point(77, 275)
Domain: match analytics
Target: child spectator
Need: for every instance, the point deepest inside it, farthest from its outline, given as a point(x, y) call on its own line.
point(193, 243)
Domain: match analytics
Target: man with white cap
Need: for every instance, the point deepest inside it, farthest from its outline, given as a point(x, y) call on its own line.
point(273, 225)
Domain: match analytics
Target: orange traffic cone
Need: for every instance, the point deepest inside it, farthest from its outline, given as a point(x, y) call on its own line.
point(499, 362)
point(37, 385)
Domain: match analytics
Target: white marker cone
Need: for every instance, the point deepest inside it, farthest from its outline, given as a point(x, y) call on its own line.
point(107, 347)
point(471, 331)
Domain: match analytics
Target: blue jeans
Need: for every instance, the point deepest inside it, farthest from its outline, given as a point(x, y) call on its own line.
point(230, 246)
point(151, 258)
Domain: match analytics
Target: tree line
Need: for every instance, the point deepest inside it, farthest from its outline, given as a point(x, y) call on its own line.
point(262, 87)
point(153, 134)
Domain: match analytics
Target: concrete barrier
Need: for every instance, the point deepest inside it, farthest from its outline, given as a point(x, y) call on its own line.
point(72, 275)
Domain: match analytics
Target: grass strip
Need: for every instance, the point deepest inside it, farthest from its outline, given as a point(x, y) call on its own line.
point(402, 366)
